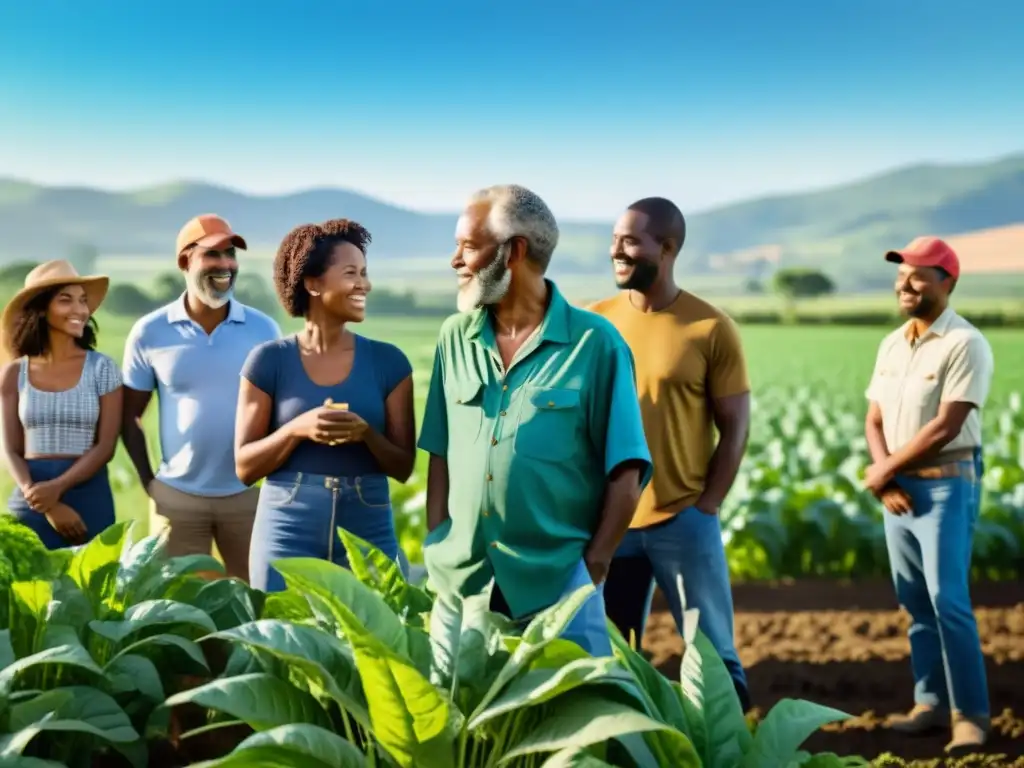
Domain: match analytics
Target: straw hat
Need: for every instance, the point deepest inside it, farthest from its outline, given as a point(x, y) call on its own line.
point(50, 274)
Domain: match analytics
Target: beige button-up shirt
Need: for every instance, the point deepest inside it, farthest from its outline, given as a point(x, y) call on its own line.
point(951, 362)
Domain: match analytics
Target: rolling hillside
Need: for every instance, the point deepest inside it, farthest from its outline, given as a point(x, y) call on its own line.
point(841, 228)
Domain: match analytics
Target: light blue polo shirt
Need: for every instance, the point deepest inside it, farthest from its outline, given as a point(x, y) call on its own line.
point(196, 379)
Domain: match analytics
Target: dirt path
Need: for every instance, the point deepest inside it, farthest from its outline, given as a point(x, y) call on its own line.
point(846, 647)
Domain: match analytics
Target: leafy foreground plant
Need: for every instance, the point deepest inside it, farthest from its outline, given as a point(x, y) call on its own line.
point(341, 672)
point(88, 650)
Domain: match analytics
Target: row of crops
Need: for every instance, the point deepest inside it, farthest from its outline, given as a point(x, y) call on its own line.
point(114, 655)
point(798, 508)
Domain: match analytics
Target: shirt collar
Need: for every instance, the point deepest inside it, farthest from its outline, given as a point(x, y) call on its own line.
point(939, 327)
point(554, 327)
point(178, 314)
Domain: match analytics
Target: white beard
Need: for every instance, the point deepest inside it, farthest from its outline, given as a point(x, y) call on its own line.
point(205, 294)
point(488, 286)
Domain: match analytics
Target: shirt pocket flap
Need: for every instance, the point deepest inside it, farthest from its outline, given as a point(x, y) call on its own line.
point(554, 399)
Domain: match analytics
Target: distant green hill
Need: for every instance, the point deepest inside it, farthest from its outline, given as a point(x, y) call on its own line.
point(842, 228)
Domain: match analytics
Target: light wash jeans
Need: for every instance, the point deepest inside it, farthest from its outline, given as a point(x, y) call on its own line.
point(687, 545)
point(930, 557)
point(588, 628)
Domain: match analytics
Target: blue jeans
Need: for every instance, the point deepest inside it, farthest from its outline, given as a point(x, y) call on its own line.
point(688, 545)
point(930, 557)
point(92, 500)
point(298, 515)
point(588, 628)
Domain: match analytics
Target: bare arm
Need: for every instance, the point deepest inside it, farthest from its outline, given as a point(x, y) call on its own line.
point(932, 437)
point(437, 491)
point(874, 433)
point(102, 451)
point(622, 492)
point(395, 450)
point(134, 405)
point(732, 418)
point(13, 432)
point(257, 453)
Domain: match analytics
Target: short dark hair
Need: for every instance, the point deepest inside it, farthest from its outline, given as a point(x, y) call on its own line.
point(306, 252)
point(664, 220)
point(30, 334)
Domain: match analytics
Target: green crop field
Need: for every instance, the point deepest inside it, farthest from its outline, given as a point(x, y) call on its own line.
point(796, 508)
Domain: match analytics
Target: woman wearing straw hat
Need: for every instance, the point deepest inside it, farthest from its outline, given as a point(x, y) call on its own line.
point(61, 406)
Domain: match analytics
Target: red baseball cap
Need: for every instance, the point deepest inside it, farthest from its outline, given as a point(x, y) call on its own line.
point(927, 252)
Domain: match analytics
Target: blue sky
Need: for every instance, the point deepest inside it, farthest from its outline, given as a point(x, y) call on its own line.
point(592, 104)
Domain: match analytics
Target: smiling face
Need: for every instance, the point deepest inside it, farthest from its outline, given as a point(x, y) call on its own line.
point(480, 261)
point(921, 291)
point(637, 258)
point(68, 311)
point(344, 285)
point(210, 274)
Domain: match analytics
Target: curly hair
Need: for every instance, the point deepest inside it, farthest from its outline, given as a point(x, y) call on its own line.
point(30, 334)
point(306, 252)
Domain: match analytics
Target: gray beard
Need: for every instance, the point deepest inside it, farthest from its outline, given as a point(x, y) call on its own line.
point(489, 285)
point(202, 290)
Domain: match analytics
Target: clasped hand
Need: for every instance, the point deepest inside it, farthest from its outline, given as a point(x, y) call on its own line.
point(43, 496)
point(329, 426)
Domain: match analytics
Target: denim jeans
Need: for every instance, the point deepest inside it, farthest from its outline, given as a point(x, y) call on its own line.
point(92, 499)
point(930, 558)
point(299, 514)
point(588, 628)
point(688, 545)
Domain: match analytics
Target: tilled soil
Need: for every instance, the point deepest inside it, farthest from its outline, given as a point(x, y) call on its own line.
point(846, 646)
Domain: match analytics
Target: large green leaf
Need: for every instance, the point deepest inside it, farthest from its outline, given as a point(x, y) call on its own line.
point(94, 567)
point(542, 629)
point(409, 717)
point(228, 602)
point(152, 613)
point(131, 672)
point(583, 718)
point(29, 609)
point(320, 656)
point(728, 738)
point(288, 746)
point(382, 574)
point(537, 686)
point(786, 726)
point(71, 655)
point(191, 659)
point(259, 700)
point(347, 598)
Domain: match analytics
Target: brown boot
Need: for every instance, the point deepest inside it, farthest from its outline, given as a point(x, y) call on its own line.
point(969, 733)
point(921, 719)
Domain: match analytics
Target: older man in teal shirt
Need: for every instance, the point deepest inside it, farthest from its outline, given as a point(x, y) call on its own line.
point(536, 443)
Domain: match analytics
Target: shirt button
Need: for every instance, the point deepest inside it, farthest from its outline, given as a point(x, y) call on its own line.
point(494, 441)
point(504, 387)
point(502, 413)
point(551, 403)
point(489, 477)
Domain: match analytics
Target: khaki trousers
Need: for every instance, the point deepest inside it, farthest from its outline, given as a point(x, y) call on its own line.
point(194, 523)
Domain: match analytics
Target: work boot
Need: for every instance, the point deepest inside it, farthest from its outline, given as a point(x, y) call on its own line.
point(921, 719)
point(969, 733)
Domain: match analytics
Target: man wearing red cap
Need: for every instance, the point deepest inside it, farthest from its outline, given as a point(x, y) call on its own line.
point(931, 380)
point(190, 352)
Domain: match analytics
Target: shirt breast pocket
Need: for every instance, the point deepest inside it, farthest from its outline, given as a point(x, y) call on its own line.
point(923, 389)
point(549, 424)
point(466, 410)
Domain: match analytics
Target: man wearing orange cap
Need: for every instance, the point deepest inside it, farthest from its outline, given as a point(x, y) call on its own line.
point(931, 380)
point(190, 352)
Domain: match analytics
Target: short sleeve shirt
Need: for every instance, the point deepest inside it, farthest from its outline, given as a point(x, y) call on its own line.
point(951, 362)
point(529, 450)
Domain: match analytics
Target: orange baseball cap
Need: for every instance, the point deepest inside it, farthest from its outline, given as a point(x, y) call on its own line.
point(927, 252)
point(208, 231)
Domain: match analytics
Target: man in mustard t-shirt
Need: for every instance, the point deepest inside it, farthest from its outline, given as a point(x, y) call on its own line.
point(691, 379)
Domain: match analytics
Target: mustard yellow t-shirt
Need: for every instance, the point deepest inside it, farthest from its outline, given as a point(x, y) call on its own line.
point(685, 355)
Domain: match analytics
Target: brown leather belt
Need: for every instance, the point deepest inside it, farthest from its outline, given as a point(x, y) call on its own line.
point(958, 463)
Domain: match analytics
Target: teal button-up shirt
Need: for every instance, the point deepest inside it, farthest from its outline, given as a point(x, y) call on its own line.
point(529, 450)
